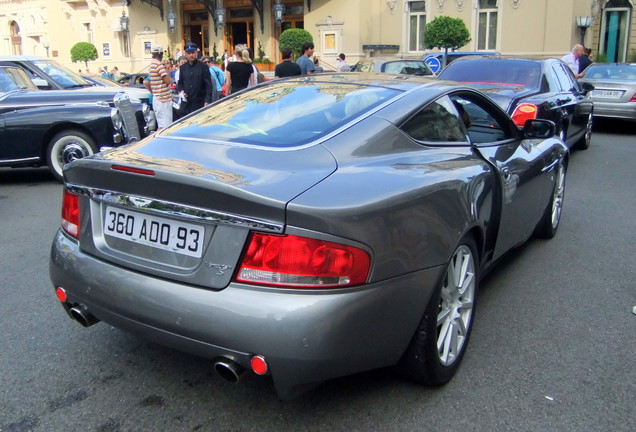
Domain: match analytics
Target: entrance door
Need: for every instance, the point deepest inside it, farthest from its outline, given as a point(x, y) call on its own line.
point(615, 31)
point(195, 28)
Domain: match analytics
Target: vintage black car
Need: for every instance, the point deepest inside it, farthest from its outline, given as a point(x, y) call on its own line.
point(530, 88)
point(56, 127)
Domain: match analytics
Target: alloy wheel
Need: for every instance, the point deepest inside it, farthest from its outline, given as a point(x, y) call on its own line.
point(456, 305)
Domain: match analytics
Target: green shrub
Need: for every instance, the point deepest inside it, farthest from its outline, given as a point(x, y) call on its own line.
point(83, 51)
point(294, 38)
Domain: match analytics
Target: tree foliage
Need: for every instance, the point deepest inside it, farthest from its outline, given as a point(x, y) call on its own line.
point(83, 51)
point(446, 32)
point(294, 38)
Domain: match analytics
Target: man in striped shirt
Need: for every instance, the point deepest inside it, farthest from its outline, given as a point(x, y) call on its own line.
point(160, 88)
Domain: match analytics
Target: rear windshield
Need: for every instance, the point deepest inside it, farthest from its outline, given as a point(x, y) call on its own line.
point(407, 68)
point(611, 71)
point(283, 114)
point(515, 73)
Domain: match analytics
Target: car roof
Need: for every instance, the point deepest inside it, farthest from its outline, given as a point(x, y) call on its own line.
point(21, 58)
point(461, 53)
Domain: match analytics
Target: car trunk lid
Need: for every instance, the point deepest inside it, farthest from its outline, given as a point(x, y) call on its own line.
point(182, 209)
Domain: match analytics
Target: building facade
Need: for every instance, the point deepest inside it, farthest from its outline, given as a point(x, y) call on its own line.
point(124, 31)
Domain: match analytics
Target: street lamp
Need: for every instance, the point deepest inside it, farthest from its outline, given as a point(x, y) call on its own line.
point(123, 20)
point(278, 10)
point(172, 19)
point(219, 15)
point(583, 23)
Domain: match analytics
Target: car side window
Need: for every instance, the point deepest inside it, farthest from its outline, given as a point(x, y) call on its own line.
point(483, 125)
point(437, 122)
point(567, 82)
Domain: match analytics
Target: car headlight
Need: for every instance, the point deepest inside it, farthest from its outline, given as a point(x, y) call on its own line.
point(115, 117)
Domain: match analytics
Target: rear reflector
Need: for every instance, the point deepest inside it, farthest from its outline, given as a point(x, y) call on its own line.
point(61, 294)
point(133, 170)
point(300, 262)
point(70, 214)
point(524, 112)
point(259, 366)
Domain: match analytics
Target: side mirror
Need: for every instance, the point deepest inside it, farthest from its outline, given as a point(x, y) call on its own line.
point(587, 87)
point(539, 129)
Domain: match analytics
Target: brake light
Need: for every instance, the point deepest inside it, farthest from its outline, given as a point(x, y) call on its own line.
point(633, 99)
point(300, 262)
point(524, 112)
point(71, 214)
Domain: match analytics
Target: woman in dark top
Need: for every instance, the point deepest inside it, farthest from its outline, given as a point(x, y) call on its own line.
point(240, 72)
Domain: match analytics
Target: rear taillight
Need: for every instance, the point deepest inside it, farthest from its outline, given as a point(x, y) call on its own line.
point(633, 99)
point(71, 214)
point(524, 112)
point(300, 262)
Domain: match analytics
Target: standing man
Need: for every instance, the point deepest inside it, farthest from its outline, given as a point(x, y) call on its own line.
point(306, 65)
point(343, 66)
point(287, 67)
point(584, 60)
point(160, 88)
point(572, 59)
point(195, 81)
point(218, 77)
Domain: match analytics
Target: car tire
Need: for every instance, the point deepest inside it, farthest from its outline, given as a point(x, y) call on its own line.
point(447, 321)
point(66, 147)
point(584, 141)
point(549, 223)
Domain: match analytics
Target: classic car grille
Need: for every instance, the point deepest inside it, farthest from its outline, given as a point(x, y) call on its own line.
point(127, 111)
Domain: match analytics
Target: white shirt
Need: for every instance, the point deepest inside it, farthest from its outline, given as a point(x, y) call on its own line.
point(572, 62)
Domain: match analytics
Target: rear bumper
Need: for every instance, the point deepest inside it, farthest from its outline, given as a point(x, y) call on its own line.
point(615, 110)
point(306, 337)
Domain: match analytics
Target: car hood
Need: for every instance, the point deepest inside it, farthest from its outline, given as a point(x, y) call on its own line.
point(242, 180)
point(69, 97)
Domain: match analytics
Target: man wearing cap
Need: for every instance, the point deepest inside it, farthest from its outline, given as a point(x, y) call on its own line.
point(160, 88)
point(194, 81)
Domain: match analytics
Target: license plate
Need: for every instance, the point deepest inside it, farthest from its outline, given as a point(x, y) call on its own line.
point(615, 94)
point(157, 232)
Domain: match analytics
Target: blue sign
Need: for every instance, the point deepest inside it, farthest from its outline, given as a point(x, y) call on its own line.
point(434, 64)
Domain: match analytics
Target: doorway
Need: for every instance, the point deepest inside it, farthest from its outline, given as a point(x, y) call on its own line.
point(615, 33)
point(195, 28)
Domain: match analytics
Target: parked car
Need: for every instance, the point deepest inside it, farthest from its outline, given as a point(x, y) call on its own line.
point(435, 60)
point(529, 88)
point(47, 74)
point(309, 228)
point(133, 80)
point(55, 127)
point(614, 92)
point(393, 65)
point(134, 92)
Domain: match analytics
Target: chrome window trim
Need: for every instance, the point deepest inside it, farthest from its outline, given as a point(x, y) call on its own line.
point(172, 209)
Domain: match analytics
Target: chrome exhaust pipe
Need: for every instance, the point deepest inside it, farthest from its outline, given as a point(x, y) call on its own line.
point(81, 314)
point(229, 370)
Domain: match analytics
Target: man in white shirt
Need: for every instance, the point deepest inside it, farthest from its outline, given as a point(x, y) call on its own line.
point(572, 59)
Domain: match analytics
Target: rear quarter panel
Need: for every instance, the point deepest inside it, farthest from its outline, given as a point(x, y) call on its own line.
point(408, 203)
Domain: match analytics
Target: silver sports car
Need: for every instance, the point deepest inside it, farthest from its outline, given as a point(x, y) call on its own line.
point(614, 92)
point(309, 228)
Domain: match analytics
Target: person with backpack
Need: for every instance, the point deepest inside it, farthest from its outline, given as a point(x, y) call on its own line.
point(218, 77)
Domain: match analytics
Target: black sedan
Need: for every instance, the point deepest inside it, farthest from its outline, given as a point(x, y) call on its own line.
point(309, 228)
point(531, 88)
point(56, 127)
